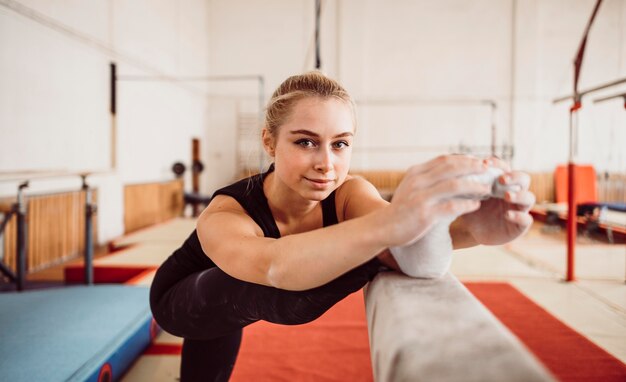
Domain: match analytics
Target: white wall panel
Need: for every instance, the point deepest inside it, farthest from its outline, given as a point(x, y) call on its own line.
point(414, 67)
point(54, 109)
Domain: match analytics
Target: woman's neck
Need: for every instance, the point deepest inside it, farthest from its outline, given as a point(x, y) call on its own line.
point(286, 205)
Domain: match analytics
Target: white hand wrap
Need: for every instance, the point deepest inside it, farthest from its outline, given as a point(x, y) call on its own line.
point(491, 177)
point(429, 257)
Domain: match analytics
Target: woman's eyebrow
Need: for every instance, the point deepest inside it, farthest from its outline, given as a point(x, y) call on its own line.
point(312, 134)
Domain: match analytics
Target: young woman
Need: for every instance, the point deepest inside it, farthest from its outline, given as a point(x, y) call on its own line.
point(286, 245)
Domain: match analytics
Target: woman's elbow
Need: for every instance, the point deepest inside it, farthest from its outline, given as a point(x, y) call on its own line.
point(274, 276)
point(280, 277)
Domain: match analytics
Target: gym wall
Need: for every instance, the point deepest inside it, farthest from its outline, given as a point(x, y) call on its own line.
point(418, 70)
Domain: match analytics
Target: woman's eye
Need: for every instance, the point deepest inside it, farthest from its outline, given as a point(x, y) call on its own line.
point(341, 144)
point(305, 143)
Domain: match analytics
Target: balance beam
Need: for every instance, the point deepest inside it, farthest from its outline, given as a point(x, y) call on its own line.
point(436, 330)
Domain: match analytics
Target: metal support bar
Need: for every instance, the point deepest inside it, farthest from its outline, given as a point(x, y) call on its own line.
point(591, 90)
point(572, 226)
point(113, 112)
point(571, 222)
point(195, 174)
point(21, 209)
point(318, 11)
point(7, 272)
point(90, 209)
point(603, 99)
point(249, 77)
point(5, 221)
point(3, 268)
point(494, 108)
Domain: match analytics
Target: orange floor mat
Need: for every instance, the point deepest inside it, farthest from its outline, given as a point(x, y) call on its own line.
point(335, 347)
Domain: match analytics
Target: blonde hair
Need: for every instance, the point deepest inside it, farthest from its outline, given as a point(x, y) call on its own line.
point(296, 88)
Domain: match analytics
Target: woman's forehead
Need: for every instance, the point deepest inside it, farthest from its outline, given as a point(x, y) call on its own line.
point(320, 116)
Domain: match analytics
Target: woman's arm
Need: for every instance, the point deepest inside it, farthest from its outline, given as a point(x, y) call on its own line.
point(310, 259)
point(363, 198)
point(294, 262)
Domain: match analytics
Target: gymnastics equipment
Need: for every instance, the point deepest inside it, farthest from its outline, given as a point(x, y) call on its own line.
point(19, 209)
point(83, 333)
point(179, 169)
point(603, 99)
point(318, 12)
point(194, 198)
point(113, 111)
point(436, 330)
point(196, 168)
point(90, 209)
point(576, 97)
point(573, 143)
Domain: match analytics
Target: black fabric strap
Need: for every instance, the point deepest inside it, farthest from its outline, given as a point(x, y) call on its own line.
point(329, 211)
point(249, 194)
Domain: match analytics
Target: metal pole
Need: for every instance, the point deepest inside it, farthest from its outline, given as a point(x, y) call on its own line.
point(318, 11)
point(113, 111)
point(572, 224)
point(3, 268)
point(493, 128)
point(21, 209)
point(195, 173)
point(89, 210)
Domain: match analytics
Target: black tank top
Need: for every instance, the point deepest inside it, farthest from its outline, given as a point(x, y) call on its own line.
point(249, 194)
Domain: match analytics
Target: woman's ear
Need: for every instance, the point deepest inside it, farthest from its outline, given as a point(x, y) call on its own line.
point(268, 142)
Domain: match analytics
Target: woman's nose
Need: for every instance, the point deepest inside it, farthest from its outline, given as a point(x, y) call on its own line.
point(323, 161)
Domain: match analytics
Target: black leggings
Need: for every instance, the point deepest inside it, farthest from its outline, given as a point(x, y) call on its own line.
point(209, 308)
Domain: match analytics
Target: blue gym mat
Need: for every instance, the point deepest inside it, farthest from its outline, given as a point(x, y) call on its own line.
point(68, 334)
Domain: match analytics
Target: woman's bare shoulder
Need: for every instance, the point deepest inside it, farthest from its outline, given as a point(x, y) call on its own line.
point(356, 183)
point(221, 203)
point(355, 197)
point(224, 208)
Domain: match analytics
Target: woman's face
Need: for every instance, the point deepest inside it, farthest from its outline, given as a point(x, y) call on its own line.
point(313, 148)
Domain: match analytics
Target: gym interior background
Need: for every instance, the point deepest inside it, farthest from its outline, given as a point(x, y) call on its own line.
point(118, 90)
point(421, 73)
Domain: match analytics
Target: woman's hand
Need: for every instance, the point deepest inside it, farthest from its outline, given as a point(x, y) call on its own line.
point(499, 221)
point(433, 192)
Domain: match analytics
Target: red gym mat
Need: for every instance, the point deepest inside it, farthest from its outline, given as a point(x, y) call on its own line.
point(567, 354)
point(335, 347)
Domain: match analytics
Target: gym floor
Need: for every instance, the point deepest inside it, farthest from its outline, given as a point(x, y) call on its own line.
point(594, 305)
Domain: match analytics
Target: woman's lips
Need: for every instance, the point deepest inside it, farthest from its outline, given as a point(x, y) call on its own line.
point(319, 183)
